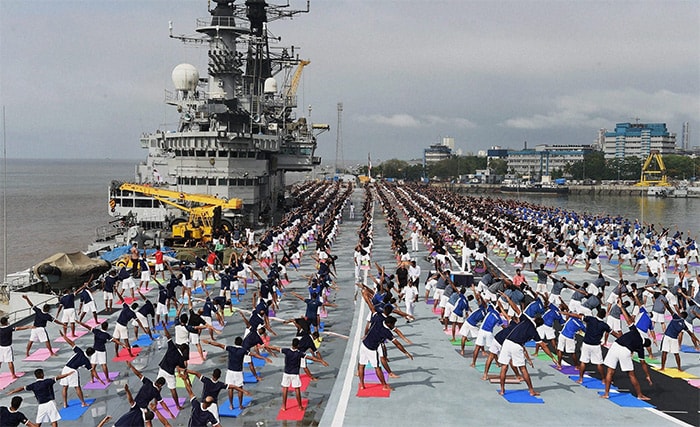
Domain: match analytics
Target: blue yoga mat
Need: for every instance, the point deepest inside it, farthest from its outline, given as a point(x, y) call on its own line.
point(689, 349)
point(75, 410)
point(521, 396)
point(160, 326)
point(249, 378)
point(226, 411)
point(592, 383)
point(627, 400)
point(258, 363)
point(144, 340)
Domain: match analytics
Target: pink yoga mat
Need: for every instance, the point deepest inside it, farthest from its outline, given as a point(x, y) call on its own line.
point(40, 355)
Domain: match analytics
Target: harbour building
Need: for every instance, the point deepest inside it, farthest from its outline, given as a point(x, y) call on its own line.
point(438, 152)
point(638, 139)
point(545, 159)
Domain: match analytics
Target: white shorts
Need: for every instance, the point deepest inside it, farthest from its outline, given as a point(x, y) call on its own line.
point(197, 276)
point(484, 338)
point(234, 378)
point(368, 356)
point(495, 347)
point(615, 324)
point(467, 330)
point(89, 307)
point(70, 380)
point(226, 293)
point(658, 317)
point(128, 283)
point(161, 309)
point(146, 276)
point(454, 318)
point(670, 345)
point(443, 300)
point(511, 352)
point(591, 354)
point(546, 332)
point(68, 315)
point(566, 345)
point(108, 296)
point(619, 354)
point(6, 354)
point(98, 358)
point(47, 413)
point(448, 310)
point(292, 380)
point(169, 378)
point(120, 332)
point(194, 338)
point(38, 335)
point(437, 293)
point(159, 267)
point(141, 318)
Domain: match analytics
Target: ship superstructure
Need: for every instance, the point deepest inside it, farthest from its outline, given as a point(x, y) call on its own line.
point(238, 132)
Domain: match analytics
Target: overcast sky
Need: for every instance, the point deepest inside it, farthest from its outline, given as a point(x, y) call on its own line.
point(84, 79)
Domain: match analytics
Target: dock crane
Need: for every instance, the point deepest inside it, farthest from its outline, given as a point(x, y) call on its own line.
point(653, 171)
point(202, 219)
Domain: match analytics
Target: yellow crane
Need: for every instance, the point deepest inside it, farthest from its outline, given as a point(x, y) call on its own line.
point(653, 171)
point(202, 220)
point(294, 85)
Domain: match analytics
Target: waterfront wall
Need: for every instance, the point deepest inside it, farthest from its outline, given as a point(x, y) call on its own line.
point(604, 190)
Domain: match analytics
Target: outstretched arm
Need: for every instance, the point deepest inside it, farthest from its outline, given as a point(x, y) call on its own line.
point(136, 372)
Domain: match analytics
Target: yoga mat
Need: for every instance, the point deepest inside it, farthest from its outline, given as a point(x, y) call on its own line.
point(566, 369)
point(675, 373)
point(509, 380)
point(437, 310)
point(305, 381)
point(195, 359)
point(371, 375)
point(689, 349)
point(40, 355)
point(6, 378)
point(170, 403)
point(627, 400)
point(75, 409)
point(521, 396)
point(530, 344)
point(124, 356)
point(159, 327)
point(293, 413)
point(258, 363)
point(373, 390)
point(144, 340)
point(96, 385)
point(218, 326)
point(493, 369)
point(320, 328)
point(172, 313)
point(249, 378)
point(91, 323)
point(226, 411)
point(591, 383)
point(79, 332)
point(430, 301)
point(179, 383)
point(694, 383)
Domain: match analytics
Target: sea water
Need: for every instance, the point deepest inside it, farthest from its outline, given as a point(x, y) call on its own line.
point(54, 206)
point(57, 206)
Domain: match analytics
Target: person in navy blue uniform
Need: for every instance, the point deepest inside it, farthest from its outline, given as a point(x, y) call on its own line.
point(43, 392)
point(41, 318)
point(371, 352)
point(109, 285)
point(148, 394)
point(621, 352)
point(12, 417)
point(101, 337)
point(79, 359)
point(6, 351)
point(200, 416)
point(292, 364)
point(237, 354)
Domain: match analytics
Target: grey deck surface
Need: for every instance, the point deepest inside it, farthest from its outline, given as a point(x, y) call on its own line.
point(437, 388)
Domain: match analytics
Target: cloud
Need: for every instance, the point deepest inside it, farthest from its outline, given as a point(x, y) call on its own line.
point(409, 121)
point(604, 108)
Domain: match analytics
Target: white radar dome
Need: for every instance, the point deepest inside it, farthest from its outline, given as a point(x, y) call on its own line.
point(185, 77)
point(270, 85)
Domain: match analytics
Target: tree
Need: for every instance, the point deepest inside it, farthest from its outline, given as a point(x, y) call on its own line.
point(499, 166)
point(394, 168)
